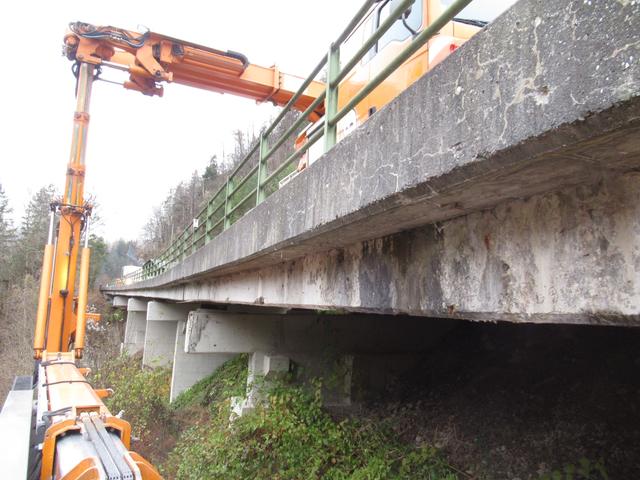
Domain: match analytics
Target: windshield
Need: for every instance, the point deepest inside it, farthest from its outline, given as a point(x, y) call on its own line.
point(482, 10)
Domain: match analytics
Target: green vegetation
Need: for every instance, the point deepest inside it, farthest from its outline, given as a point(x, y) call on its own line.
point(290, 436)
point(228, 381)
point(142, 393)
point(584, 470)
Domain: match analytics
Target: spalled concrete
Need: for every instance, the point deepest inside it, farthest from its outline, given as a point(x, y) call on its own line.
point(543, 106)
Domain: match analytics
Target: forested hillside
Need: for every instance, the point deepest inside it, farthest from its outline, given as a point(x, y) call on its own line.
point(187, 198)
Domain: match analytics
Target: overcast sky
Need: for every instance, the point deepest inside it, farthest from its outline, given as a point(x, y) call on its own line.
point(140, 147)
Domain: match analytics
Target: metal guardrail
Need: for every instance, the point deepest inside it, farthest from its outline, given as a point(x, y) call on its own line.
point(218, 213)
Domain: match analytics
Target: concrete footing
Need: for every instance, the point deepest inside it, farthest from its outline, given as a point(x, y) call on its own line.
point(262, 368)
point(334, 371)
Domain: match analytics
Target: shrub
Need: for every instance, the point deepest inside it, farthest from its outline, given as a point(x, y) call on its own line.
point(143, 393)
point(291, 437)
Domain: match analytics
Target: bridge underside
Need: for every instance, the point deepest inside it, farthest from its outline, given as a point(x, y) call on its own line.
point(503, 185)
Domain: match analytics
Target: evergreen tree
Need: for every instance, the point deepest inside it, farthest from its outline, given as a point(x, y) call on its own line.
point(98, 258)
point(33, 233)
point(7, 242)
point(7, 236)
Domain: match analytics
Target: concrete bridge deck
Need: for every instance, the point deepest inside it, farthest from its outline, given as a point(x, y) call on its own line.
point(503, 185)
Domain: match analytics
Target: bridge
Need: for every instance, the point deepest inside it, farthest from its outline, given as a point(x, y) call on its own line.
point(504, 185)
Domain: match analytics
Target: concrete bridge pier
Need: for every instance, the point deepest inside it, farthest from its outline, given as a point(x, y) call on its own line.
point(135, 330)
point(160, 335)
point(190, 368)
point(120, 301)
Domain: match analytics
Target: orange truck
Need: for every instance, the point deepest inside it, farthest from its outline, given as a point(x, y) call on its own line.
point(71, 434)
point(418, 16)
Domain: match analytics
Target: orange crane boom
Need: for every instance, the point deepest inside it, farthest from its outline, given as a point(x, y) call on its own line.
point(151, 59)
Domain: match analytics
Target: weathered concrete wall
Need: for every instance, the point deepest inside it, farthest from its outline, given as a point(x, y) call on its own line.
point(545, 99)
point(159, 343)
point(571, 256)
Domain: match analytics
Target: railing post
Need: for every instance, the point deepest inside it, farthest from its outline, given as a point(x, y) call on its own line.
point(262, 168)
point(227, 202)
point(331, 100)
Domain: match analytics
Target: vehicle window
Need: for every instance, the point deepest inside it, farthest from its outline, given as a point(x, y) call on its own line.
point(481, 10)
point(398, 30)
point(351, 45)
point(368, 31)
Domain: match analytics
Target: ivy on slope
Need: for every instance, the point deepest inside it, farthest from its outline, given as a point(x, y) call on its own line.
point(292, 437)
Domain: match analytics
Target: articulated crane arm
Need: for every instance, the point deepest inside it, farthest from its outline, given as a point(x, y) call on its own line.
point(151, 59)
point(76, 437)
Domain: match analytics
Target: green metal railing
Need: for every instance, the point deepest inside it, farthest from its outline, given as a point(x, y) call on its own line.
point(224, 208)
